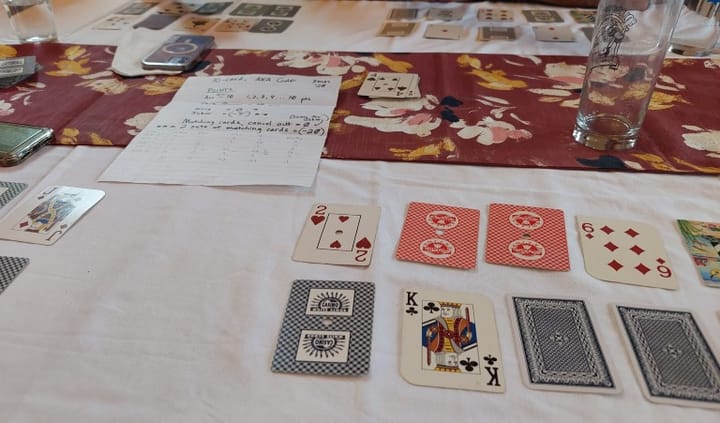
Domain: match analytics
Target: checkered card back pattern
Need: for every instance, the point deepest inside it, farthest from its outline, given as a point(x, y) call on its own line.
point(10, 267)
point(13, 189)
point(674, 358)
point(551, 235)
point(463, 237)
point(359, 324)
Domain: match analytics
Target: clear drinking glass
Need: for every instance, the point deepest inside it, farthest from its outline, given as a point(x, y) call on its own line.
point(698, 28)
point(32, 20)
point(628, 48)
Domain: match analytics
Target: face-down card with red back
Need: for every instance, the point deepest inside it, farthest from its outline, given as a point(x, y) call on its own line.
point(338, 234)
point(527, 236)
point(440, 234)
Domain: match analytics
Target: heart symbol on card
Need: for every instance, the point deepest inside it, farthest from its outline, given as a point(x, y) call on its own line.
point(343, 218)
point(364, 243)
point(317, 219)
point(335, 244)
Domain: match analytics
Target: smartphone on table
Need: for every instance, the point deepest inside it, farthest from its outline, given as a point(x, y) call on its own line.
point(179, 52)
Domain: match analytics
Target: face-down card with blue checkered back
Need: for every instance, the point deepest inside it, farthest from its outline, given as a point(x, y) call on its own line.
point(327, 329)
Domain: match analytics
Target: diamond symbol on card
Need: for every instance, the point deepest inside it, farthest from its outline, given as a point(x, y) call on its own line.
point(610, 246)
point(660, 260)
point(642, 268)
point(615, 265)
point(589, 236)
point(608, 230)
point(636, 249)
point(632, 233)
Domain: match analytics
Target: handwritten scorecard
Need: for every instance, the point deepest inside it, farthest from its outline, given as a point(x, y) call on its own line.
point(234, 130)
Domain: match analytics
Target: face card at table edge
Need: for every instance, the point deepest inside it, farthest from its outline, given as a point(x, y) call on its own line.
point(527, 236)
point(338, 234)
point(45, 217)
point(625, 251)
point(327, 329)
point(450, 340)
point(703, 243)
point(440, 234)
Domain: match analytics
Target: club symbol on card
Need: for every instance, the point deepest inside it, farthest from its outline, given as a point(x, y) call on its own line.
point(411, 311)
point(469, 364)
point(489, 359)
point(431, 308)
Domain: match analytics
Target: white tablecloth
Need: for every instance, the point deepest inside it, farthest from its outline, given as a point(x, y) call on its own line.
point(164, 302)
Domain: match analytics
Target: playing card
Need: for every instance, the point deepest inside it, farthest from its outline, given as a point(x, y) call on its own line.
point(236, 25)
point(444, 14)
point(444, 32)
point(283, 11)
point(583, 16)
point(327, 329)
point(551, 33)
point(450, 340)
point(136, 8)
point(703, 242)
point(673, 361)
point(271, 26)
point(440, 234)
point(527, 236)
point(116, 23)
point(213, 8)
point(557, 340)
point(10, 190)
point(495, 15)
point(390, 85)
point(403, 14)
point(178, 8)
point(542, 16)
point(198, 24)
point(10, 267)
point(252, 9)
point(45, 217)
point(156, 21)
point(397, 29)
point(624, 251)
point(499, 33)
point(338, 234)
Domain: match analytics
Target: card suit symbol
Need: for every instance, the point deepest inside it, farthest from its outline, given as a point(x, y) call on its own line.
point(608, 230)
point(431, 308)
point(317, 219)
point(469, 364)
point(632, 233)
point(363, 243)
point(402, 88)
point(660, 260)
point(23, 224)
point(636, 249)
point(343, 218)
point(615, 265)
point(642, 268)
point(411, 311)
point(610, 246)
point(335, 244)
point(490, 359)
point(589, 236)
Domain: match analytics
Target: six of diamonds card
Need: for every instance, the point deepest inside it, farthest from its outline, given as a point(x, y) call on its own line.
point(450, 340)
point(624, 251)
point(327, 329)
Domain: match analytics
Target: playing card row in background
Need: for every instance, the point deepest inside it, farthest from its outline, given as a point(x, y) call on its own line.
point(545, 33)
point(41, 218)
point(201, 17)
point(581, 16)
point(450, 340)
point(615, 250)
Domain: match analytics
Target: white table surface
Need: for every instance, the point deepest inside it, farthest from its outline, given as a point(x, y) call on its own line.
point(164, 302)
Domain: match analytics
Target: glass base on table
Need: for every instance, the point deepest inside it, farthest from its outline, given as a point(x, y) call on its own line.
point(605, 132)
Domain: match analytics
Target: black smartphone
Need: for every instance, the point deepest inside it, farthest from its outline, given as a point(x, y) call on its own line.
point(179, 52)
point(17, 142)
